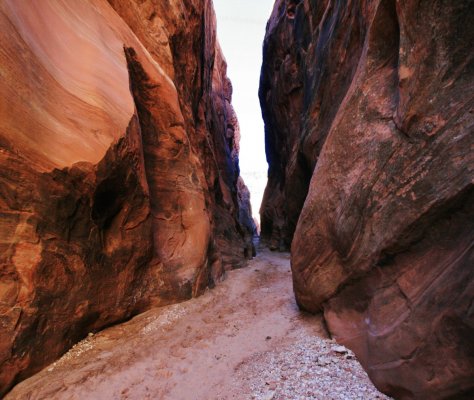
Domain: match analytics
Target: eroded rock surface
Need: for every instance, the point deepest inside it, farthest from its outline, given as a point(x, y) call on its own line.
point(119, 178)
point(369, 132)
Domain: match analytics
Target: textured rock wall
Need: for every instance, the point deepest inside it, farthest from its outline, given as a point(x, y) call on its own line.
point(119, 178)
point(369, 131)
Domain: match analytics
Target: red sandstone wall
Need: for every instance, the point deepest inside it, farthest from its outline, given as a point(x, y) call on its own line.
point(369, 132)
point(119, 169)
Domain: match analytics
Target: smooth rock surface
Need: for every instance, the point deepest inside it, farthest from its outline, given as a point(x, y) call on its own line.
point(119, 179)
point(369, 128)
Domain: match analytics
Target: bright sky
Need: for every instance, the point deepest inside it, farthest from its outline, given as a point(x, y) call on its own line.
point(241, 29)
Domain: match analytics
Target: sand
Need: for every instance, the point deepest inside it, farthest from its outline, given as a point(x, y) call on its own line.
point(245, 339)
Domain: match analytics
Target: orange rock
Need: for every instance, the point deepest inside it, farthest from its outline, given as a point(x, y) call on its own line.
point(119, 169)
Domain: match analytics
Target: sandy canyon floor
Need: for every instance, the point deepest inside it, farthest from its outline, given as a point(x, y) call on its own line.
point(245, 339)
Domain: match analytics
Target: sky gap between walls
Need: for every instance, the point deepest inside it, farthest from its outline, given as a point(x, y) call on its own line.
point(241, 30)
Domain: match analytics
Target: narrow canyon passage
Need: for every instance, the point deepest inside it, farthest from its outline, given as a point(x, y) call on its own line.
point(245, 339)
point(126, 177)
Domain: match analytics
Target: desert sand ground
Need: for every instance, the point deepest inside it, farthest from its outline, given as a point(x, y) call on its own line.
point(245, 339)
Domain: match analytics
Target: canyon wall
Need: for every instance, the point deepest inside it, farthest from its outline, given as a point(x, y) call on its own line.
point(368, 109)
point(119, 178)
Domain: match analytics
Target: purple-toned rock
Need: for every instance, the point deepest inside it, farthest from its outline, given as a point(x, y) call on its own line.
point(369, 131)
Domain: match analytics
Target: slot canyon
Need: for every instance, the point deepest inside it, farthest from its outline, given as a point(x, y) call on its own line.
point(131, 266)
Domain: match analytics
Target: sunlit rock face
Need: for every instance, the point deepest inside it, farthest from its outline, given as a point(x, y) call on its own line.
point(369, 138)
point(119, 178)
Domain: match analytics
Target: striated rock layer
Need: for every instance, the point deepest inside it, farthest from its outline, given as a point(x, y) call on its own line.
point(369, 119)
point(119, 178)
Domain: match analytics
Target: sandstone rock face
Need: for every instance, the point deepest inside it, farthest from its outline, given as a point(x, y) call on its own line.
point(369, 131)
point(119, 178)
